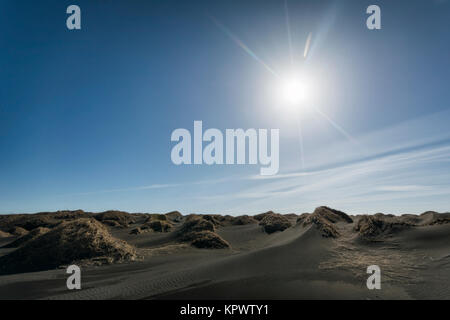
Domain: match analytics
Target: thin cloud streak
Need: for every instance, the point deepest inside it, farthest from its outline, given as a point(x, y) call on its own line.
point(359, 182)
point(387, 159)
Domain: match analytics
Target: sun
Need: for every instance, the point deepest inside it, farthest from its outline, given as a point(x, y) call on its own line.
point(295, 92)
point(292, 91)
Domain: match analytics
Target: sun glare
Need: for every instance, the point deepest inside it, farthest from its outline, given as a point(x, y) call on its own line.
point(294, 92)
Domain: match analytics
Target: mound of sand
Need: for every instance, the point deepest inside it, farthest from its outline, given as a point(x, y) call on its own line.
point(196, 223)
point(273, 222)
point(200, 233)
point(427, 218)
point(324, 219)
point(242, 220)
point(154, 222)
point(371, 227)
point(39, 220)
point(4, 234)
point(379, 214)
point(430, 218)
point(325, 227)
point(113, 223)
point(157, 225)
point(291, 216)
point(7, 221)
point(332, 215)
point(121, 218)
point(441, 220)
point(260, 216)
point(226, 220)
point(27, 221)
point(66, 214)
point(214, 219)
point(174, 216)
point(156, 216)
point(410, 219)
point(302, 217)
point(33, 234)
point(205, 240)
point(70, 242)
point(18, 231)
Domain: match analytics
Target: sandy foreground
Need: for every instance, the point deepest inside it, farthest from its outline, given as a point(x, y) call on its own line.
point(319, 256)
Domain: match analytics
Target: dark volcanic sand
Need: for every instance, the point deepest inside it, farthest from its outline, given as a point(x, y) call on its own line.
point(298, 263)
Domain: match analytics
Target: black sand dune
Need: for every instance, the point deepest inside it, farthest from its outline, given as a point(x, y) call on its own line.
point(319, 255)
point(30, 236)
point(273, 222)
point(199, 231)
point(70, 242)
point(18, 231)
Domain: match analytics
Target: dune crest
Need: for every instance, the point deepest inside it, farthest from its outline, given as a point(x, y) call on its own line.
point(200, 233)
point(70, 242)
point(325, 219)
point(33, 234)
point(273, 222)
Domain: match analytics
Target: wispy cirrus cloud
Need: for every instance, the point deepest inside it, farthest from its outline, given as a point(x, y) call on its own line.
point(381, 178)
point(404, 188)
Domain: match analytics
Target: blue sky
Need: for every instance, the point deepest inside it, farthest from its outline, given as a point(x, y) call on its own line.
point(86, 116)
